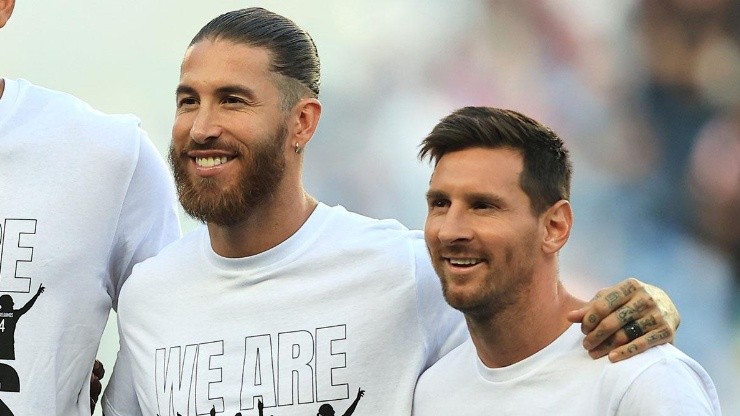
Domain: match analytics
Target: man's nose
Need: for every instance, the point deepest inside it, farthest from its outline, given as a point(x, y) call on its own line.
point(206, 126)
point(455, 227)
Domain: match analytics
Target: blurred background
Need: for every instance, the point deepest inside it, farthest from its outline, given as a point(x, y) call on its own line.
point(646, 94)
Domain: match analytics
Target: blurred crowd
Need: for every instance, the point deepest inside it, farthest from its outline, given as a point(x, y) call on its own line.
point(645, 93)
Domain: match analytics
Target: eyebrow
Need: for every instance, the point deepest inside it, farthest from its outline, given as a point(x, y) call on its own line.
point(221, 91)
point(476, 196)
point(490, 198)
point(184, 89)
point(434, 194)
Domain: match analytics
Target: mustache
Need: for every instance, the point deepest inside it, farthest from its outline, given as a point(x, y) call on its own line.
point(459, 250)
point(210, 145)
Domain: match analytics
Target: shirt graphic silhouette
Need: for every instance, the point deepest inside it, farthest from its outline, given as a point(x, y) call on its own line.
point(8, 320)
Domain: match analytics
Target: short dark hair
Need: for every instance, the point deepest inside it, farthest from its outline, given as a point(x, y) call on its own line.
point(293, 51)
point(547, 167)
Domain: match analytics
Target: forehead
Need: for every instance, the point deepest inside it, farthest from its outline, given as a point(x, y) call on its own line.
point(225, 60)
point(479, 170)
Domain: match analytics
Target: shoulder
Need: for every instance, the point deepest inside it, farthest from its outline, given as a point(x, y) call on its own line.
point(657, 359)
point(156, 275)
point(354, 230)
point(72, 117)
point(663, 377)
point(177, 255)
point(340, 216)
point(454, 369)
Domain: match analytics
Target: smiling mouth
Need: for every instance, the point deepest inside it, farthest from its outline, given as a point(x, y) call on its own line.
point(463, 262)
point(209, 162)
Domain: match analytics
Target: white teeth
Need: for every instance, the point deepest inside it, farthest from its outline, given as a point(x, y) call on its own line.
point(464, 262)
point(209, 162)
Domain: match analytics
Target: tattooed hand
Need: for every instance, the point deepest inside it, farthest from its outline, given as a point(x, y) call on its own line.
point(603, 318)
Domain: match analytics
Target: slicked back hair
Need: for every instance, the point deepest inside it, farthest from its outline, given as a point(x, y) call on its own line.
point(294, 58)
point(547, 167)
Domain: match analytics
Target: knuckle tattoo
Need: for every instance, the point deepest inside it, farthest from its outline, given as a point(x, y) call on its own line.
point(625, 314)
point(648, 323)
point(641, 305)
point(658, 336)
point(612, 298)
point(592, 319)
point(629, 288)
point(632, 348)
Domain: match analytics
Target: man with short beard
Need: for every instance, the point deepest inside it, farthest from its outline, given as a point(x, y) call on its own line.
point(498, 215)
point(203, 200)
point(280, 298)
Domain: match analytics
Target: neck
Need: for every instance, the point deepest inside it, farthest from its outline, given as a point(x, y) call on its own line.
point(524, 328)
point(268, 225)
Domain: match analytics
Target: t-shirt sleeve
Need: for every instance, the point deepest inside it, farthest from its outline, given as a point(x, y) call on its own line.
point(119, 398)
point(148, 220)
point(443, 327)
point(671, 387)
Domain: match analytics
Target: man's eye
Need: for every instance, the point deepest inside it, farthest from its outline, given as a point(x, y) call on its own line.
point(233, 100)
point(482, 205)
point(438, 203)
point(186, 101)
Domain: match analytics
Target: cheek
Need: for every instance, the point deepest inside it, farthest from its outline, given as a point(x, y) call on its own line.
point(508, 255)
point(430, 232)
point(181, 129)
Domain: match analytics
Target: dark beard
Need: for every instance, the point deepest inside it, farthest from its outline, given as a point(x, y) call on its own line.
point(204, 200)
point(490, 301)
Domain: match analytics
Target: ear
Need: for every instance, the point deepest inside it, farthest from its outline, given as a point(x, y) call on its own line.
point(306, 115)
point(6, 9)
point(558, 221)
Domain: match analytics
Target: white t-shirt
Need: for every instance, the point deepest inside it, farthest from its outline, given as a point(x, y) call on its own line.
point(562, 379)
point(83, 197)
point(346, 303)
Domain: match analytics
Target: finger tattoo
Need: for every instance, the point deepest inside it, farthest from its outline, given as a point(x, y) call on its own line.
point(608, 344)
point(659, 336)
point(612, 298)
point(648, 322)
point(641, 305)
point(628, 289)
point(625, 314)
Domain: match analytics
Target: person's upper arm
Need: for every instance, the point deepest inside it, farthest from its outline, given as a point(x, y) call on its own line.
point(443, 327)
point(149, 215)
point(119, 397)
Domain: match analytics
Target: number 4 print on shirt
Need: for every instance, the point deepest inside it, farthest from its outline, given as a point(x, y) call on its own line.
point(8, 320)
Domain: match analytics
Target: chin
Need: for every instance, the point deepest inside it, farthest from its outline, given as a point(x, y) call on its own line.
point(462, 300)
